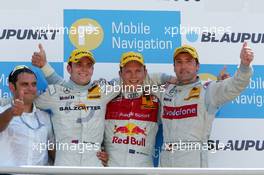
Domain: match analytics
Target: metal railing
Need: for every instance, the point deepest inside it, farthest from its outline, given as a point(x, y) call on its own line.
point(130, 171)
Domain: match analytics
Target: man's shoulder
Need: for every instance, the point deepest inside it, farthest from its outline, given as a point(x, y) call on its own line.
point(56, 88)
point(168, 86)
point(5, 106)
point(206, 84)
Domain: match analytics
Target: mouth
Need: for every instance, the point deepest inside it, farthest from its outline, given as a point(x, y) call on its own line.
point(30, 94)
point(184, 72)
point(134, 81)
point(83, 75)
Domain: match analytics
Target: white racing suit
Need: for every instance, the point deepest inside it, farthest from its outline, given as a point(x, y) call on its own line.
point(130, 130)
point(187, 115)
point(78, 119)
point(130, 125)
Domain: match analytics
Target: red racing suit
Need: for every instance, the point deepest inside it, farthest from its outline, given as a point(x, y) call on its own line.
point(130, 130)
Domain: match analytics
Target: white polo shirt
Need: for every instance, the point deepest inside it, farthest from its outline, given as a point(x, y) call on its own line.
point(23, 142)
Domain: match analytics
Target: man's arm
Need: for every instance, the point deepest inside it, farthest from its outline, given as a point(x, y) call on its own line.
point(223, 91)
point(5, 101)
point(39, 60)
point(45, 101)
point(159, 79)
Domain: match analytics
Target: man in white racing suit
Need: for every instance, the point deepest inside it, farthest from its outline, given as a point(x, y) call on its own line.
point(78, 110)
point(189, 107)
point(131, 121)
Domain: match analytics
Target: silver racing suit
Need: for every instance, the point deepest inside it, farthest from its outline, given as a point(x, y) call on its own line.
point(188, 112)
point(78, 119)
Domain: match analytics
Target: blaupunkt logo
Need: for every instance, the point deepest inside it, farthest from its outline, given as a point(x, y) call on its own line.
point(228, 37)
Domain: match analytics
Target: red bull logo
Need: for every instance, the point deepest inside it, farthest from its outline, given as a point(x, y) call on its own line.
point(130, 130)
point(121, 129)
point(129, 140)
point(137, 130)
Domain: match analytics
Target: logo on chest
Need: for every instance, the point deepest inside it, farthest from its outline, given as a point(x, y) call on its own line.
point(94, 92)
point(180, 112)
point(193, 94)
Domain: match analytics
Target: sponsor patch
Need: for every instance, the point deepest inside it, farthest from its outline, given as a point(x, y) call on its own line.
point(66, 90)
point(94, 92)
point(194, 93)
point(180, 112)
point(67, 97)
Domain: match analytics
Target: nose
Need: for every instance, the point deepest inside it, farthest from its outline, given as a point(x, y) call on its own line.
point(133, 75)
point(84, 68)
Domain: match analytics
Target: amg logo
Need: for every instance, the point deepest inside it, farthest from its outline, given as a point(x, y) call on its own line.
point(27, 34)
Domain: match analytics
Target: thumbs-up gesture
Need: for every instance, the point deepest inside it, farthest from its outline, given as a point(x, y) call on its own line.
point(39, 58)
point(18, 105)
point(223, 74)
point(246, 55)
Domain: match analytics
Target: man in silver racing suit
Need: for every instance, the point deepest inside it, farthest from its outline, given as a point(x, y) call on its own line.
point(189, 107)
point(78, 109)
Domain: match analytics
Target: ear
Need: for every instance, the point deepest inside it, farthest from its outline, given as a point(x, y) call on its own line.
point(145, 71)
point(119, 72)
point(197, 67)
point(12, 87)
point(69, 68)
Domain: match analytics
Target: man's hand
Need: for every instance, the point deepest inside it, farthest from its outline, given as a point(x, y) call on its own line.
point(172, 80)
point(223, 74)
point(246, 55)
point(18, 106)
point(103, 156)
point(39, 58)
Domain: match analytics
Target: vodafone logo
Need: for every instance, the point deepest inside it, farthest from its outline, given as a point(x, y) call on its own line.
point(180, 112)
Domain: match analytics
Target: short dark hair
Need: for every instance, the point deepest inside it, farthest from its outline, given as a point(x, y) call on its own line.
point(12, 78)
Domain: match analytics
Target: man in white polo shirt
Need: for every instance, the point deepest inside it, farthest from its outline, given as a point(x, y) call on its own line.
point(23, 127)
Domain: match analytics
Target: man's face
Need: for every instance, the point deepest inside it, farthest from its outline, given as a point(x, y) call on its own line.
point(82, 71)
point(25, 87)
point(133, 73)
point(185, 68)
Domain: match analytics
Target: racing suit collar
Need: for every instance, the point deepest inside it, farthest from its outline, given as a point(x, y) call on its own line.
point(73, 85)
point(190, 85)
point(131, 95)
